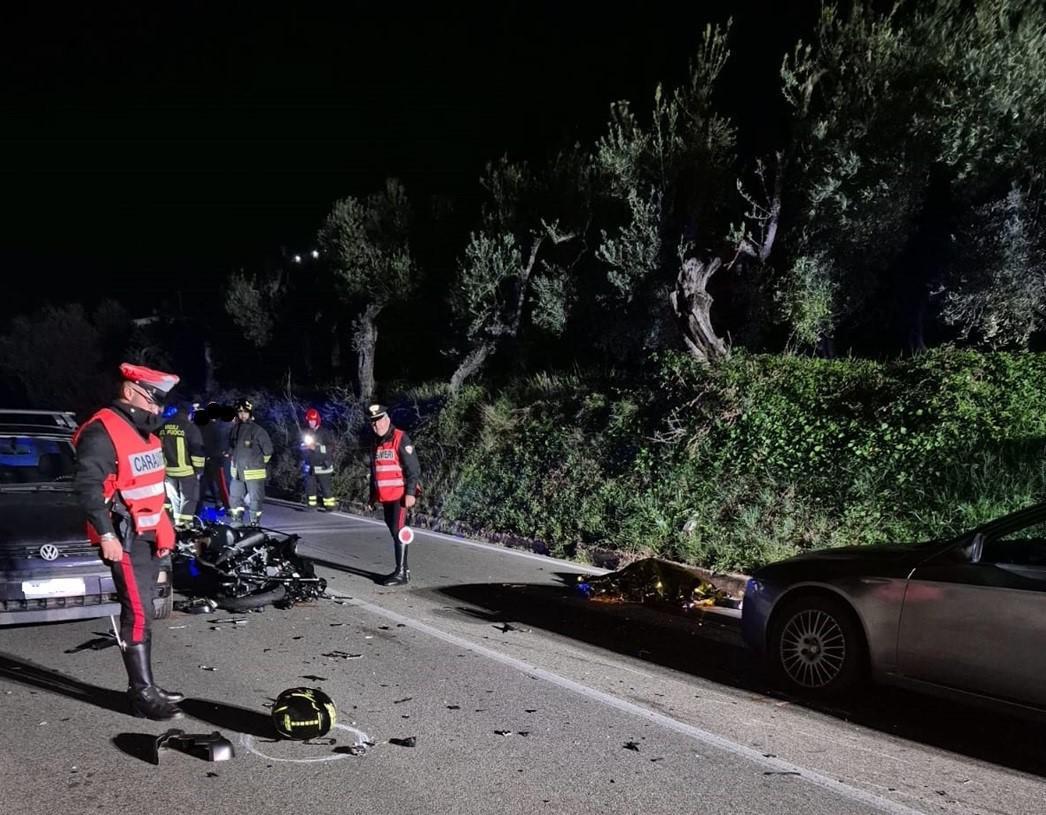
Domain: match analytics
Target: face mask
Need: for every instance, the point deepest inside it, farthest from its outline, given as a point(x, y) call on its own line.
point(146, 421)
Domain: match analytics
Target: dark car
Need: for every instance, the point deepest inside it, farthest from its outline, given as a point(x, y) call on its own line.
point(965, 616)
point(48, 569)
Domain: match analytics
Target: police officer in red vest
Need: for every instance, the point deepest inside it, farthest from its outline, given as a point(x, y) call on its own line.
point(394, 482)
point(120, 485)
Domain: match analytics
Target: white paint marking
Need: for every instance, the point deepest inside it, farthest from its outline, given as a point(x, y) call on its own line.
point(453, 539)
point(361, 738)
point(703, 736)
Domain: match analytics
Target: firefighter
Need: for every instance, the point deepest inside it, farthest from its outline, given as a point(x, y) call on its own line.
point(184, 454)
point(394, 483)
point(251, 451)
point(317, 448)
point(120, 486)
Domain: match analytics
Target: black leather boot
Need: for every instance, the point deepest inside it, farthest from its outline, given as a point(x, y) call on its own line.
point(171, 696)
point(402, 574)
point(146, 701)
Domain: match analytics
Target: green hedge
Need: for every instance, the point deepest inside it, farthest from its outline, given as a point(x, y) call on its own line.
point(732, 467)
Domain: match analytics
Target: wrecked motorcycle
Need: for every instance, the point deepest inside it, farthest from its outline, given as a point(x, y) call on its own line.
point(242, 568)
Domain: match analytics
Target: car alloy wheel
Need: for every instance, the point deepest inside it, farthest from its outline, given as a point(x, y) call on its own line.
point(812, 649)
point(817, 645)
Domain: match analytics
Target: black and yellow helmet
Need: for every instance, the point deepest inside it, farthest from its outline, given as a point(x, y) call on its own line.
point(245, 404)
point(303, 713)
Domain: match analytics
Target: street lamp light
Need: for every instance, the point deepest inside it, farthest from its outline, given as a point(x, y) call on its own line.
point(315, 253)
point(296, 258)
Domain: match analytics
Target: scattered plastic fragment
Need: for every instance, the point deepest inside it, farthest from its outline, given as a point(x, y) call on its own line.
point(410, 741)
point(631, 745)
point(97, 644)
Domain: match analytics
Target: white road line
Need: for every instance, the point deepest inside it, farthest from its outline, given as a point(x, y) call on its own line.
point(462, 541)
point(705, 737)
point(362, 739)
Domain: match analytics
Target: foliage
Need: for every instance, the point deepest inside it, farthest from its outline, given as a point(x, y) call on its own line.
point(59, 358)
point(884, 104)
point(365, 241)
point(251, 308)
point(1002, 296)
point(731, 467)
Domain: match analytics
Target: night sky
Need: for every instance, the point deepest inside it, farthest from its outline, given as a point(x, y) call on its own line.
point(161, 148)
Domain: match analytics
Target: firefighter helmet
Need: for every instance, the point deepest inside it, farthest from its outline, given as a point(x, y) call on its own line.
point(303, 713)
point(244, 404)
point(313, 415)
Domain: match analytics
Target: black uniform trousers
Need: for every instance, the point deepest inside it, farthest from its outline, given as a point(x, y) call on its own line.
point(395, 517)
point(216, 482)
point(318, 485)
point(135, 578)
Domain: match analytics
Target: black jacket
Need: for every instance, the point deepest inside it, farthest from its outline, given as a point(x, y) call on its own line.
point(251, 450)
point(319, 457)
point(182, 444)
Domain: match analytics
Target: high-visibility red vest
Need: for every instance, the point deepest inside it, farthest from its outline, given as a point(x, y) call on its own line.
point(388, 471)
point(139, 478)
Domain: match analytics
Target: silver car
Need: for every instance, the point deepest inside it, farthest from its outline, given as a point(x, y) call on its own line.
point(965, 616)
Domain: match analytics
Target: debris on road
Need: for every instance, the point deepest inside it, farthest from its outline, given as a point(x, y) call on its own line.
point(207, 746)
point(96, 644)
point(342, 655)
point(207, 668)
point(314, 678)
point(195, 605)
point(410, 741)
point(656, 582)
point(631, 745)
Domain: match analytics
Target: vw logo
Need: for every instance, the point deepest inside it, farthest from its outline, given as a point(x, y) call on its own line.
point(49, 551)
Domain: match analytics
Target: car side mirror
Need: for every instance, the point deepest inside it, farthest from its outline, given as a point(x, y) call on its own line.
point(975, 548)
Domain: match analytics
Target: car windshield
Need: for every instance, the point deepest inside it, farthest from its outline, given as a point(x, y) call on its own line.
point(35, 459)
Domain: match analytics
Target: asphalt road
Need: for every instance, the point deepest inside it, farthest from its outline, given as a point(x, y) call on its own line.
point(522, 697)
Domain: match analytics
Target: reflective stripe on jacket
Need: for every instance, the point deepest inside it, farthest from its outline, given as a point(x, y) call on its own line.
point(251, 451)
point(387, 468)
point(139, 478)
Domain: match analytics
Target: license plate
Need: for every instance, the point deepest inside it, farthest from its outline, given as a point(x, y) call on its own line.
point(58, 587)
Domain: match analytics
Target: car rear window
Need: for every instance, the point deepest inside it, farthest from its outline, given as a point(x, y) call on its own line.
point(35, 459)
point(41, 418)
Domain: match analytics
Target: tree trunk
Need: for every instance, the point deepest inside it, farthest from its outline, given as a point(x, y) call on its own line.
point(470, 365)
point(335, 353)
point(210, 384)
point(692, 306)
point(365, 341)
